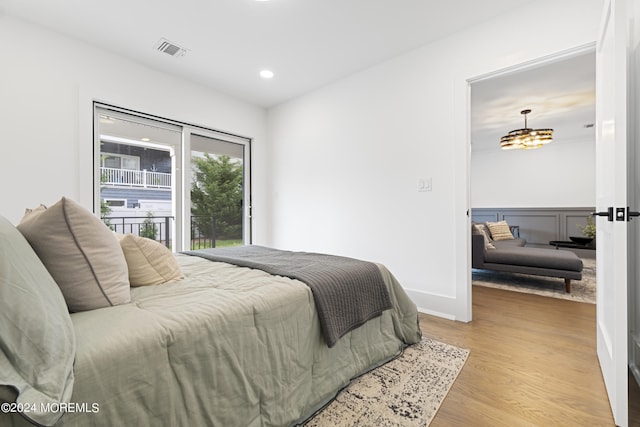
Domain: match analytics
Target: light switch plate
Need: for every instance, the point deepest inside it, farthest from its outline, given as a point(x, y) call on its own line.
point(424, 184)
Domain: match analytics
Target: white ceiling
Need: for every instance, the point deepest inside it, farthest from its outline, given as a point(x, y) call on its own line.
point(310, 43)
point(307, 43)
point(560, 95)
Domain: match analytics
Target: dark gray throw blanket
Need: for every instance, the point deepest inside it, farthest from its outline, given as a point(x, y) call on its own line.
point(347, 292)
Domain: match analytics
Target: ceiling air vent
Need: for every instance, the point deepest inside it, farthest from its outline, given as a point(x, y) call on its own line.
point(170, 48)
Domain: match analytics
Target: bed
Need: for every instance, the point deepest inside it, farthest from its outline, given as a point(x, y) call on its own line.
point(222, 345)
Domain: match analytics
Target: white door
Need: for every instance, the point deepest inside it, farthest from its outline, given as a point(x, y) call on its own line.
point(611, 193)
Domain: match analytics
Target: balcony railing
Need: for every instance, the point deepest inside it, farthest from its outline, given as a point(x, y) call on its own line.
point(203, 232)
point(158, 228)
point(133, 178)
point(155, 228)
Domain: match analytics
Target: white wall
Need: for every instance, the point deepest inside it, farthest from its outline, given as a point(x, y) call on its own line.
point(47, 85)
point(556, 175)
point(346, 159)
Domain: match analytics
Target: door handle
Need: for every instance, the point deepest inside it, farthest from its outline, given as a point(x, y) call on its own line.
point(631, 214)
point(608, 214)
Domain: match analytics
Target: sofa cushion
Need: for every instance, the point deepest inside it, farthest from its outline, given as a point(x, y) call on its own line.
point(535, 257)
point(499, 230)
point(36, 334)
point(81, 253)
point(509, 243)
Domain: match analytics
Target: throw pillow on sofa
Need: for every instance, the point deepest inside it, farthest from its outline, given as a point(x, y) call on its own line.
point(80, 253)
point(500, 230)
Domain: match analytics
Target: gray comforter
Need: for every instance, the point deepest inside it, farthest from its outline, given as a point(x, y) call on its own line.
point(347, 292)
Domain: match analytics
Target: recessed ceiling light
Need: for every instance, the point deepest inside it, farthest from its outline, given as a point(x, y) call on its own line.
point(266, 74)
point(145, 139)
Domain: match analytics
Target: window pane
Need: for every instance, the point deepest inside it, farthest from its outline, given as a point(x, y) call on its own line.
point(137, 176)
point(111, 162)
point(217, 192)
point(131, 164)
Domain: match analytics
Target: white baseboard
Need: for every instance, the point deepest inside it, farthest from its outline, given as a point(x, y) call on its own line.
point(437, 305)
point(436, 313)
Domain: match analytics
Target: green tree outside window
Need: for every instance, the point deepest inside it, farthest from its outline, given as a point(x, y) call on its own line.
point(216, 192)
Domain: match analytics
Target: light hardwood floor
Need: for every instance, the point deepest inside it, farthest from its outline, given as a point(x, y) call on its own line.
point(532, 363)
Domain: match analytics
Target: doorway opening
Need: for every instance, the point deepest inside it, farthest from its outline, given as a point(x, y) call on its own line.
point(539, 193)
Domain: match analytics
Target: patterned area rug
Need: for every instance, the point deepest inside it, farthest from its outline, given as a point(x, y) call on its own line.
point(581, 290)
point(407, 391)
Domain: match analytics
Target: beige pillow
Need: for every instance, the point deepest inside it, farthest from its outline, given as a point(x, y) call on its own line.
point(35, 211)
point(149, 262)
point(500, 230)
point(80, 253)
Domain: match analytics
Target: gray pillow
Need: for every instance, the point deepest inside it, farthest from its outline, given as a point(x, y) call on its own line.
point(482, 230)
point(81, 253)
point(36, 334)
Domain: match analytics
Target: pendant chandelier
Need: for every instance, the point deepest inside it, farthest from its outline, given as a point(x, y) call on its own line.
point(526, 138)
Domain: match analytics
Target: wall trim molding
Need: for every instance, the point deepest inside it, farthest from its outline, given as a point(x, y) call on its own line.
point(540, 225)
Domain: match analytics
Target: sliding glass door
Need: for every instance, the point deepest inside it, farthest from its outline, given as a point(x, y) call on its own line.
point(185, 186)
point(217, 191)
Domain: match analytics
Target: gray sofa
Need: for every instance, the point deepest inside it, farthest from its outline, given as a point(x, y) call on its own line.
point(514, 257)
